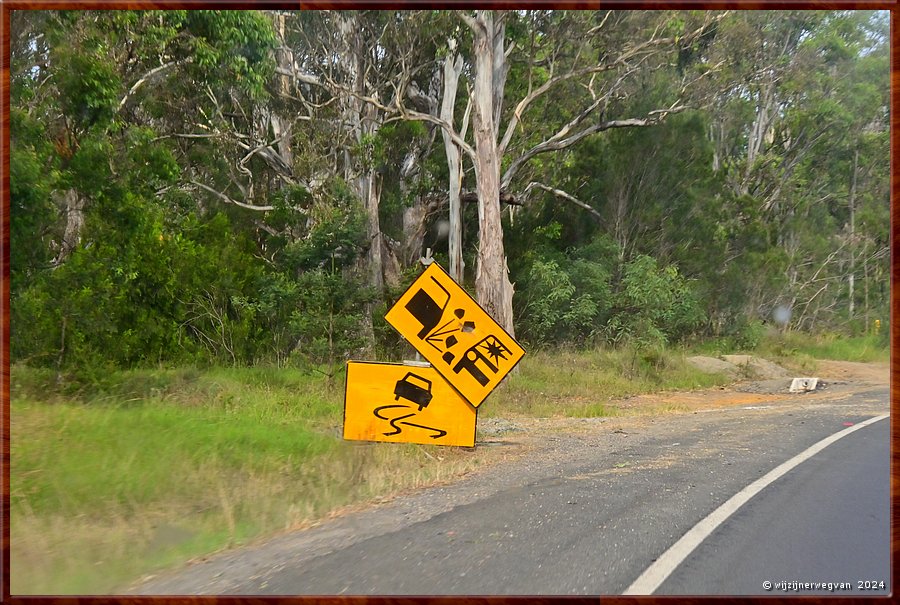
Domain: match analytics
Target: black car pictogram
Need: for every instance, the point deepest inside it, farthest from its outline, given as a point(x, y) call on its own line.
point(420, 395)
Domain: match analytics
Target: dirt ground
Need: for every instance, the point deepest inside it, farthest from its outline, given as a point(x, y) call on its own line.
point(873, 373)
point(772, 384)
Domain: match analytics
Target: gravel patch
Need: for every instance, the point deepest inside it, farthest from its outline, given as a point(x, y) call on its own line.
point(712, 365)
point(760, 368)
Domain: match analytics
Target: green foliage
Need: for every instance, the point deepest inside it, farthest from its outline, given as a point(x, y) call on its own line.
point(564, 306)
point(136, 292)
point(117, 115)
point(335, 239)
point(867, 348)
point(743, 334)
point(587, 296)
point(311, 320)
point(655, 305)
point(89, 86)
point(154, 277)
point(32, 179)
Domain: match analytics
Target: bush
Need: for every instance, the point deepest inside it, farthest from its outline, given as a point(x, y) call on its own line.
point(653, 306)
point(563, 304)
point(745, 334)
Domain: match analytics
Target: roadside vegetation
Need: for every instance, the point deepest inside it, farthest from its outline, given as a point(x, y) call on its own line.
point(211, 211)
point(115, 479)
point(829, 346)
point(160, 465)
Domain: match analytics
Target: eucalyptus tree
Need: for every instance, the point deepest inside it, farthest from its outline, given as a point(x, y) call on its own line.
point(102, 158)
point(570, 71)
point(803, 94)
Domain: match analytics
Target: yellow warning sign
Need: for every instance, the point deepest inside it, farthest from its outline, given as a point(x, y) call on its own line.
point(404, 404)
point(449, 329)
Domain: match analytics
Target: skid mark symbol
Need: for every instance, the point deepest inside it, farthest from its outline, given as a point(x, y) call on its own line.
point(394, 422)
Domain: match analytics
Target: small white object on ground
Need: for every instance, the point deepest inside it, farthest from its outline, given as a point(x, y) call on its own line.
point(801, 385)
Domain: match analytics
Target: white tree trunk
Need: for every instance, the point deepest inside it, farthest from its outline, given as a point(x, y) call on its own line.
point(415, 219)
point(452, 69)
point(762, 124)
point(365, 120)
point(281, 128)
point(371, 183)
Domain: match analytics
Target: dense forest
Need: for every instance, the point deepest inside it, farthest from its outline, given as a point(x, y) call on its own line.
point(243, 187)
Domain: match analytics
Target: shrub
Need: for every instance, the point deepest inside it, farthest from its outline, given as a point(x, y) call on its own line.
point(563, 304)
point(653, 306)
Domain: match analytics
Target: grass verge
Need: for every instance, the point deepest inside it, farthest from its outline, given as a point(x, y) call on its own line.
point(826, 346)
point(160, 466)
point(586, 383)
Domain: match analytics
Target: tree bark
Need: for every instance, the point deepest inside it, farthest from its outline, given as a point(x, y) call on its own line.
point(452, 69)
point(365, 120)
point(74, 209)
point(281, 128)
point(414, 220)
point(371, 184)
point(492, 286)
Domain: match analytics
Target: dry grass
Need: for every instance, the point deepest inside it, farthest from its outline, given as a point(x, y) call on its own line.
point(104, 492)
point(588, 383)
point(60, 553)
point(153, 468)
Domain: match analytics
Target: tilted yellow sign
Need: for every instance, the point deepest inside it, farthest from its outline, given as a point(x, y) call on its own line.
point(404, 404)
point(460, 340)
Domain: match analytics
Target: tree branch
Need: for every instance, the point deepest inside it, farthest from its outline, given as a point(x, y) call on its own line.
point(537, 92)
point(396, 109)
point(566, 196)
point(470, 21)
point(145, 78)
point(186, 135)
point(264, 227)
point(411, 114)
point(225, 198)
point(300, 77)
point(596, 69)
point(555, 143)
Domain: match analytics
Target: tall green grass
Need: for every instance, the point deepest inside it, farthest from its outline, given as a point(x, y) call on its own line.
point(869, 348)
point(159, 466)
point(583, 383)
point(800, 347)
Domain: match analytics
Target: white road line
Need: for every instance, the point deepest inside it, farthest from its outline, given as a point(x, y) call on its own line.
point(657, 573)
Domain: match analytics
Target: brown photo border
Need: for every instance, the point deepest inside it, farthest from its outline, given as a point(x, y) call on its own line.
point(9, 5)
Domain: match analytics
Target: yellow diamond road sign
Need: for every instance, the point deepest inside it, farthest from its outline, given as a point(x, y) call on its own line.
point(449, 329)
point(404, 404)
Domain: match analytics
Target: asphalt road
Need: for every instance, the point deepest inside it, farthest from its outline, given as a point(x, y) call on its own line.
point(589, 511)
point(825, 522)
